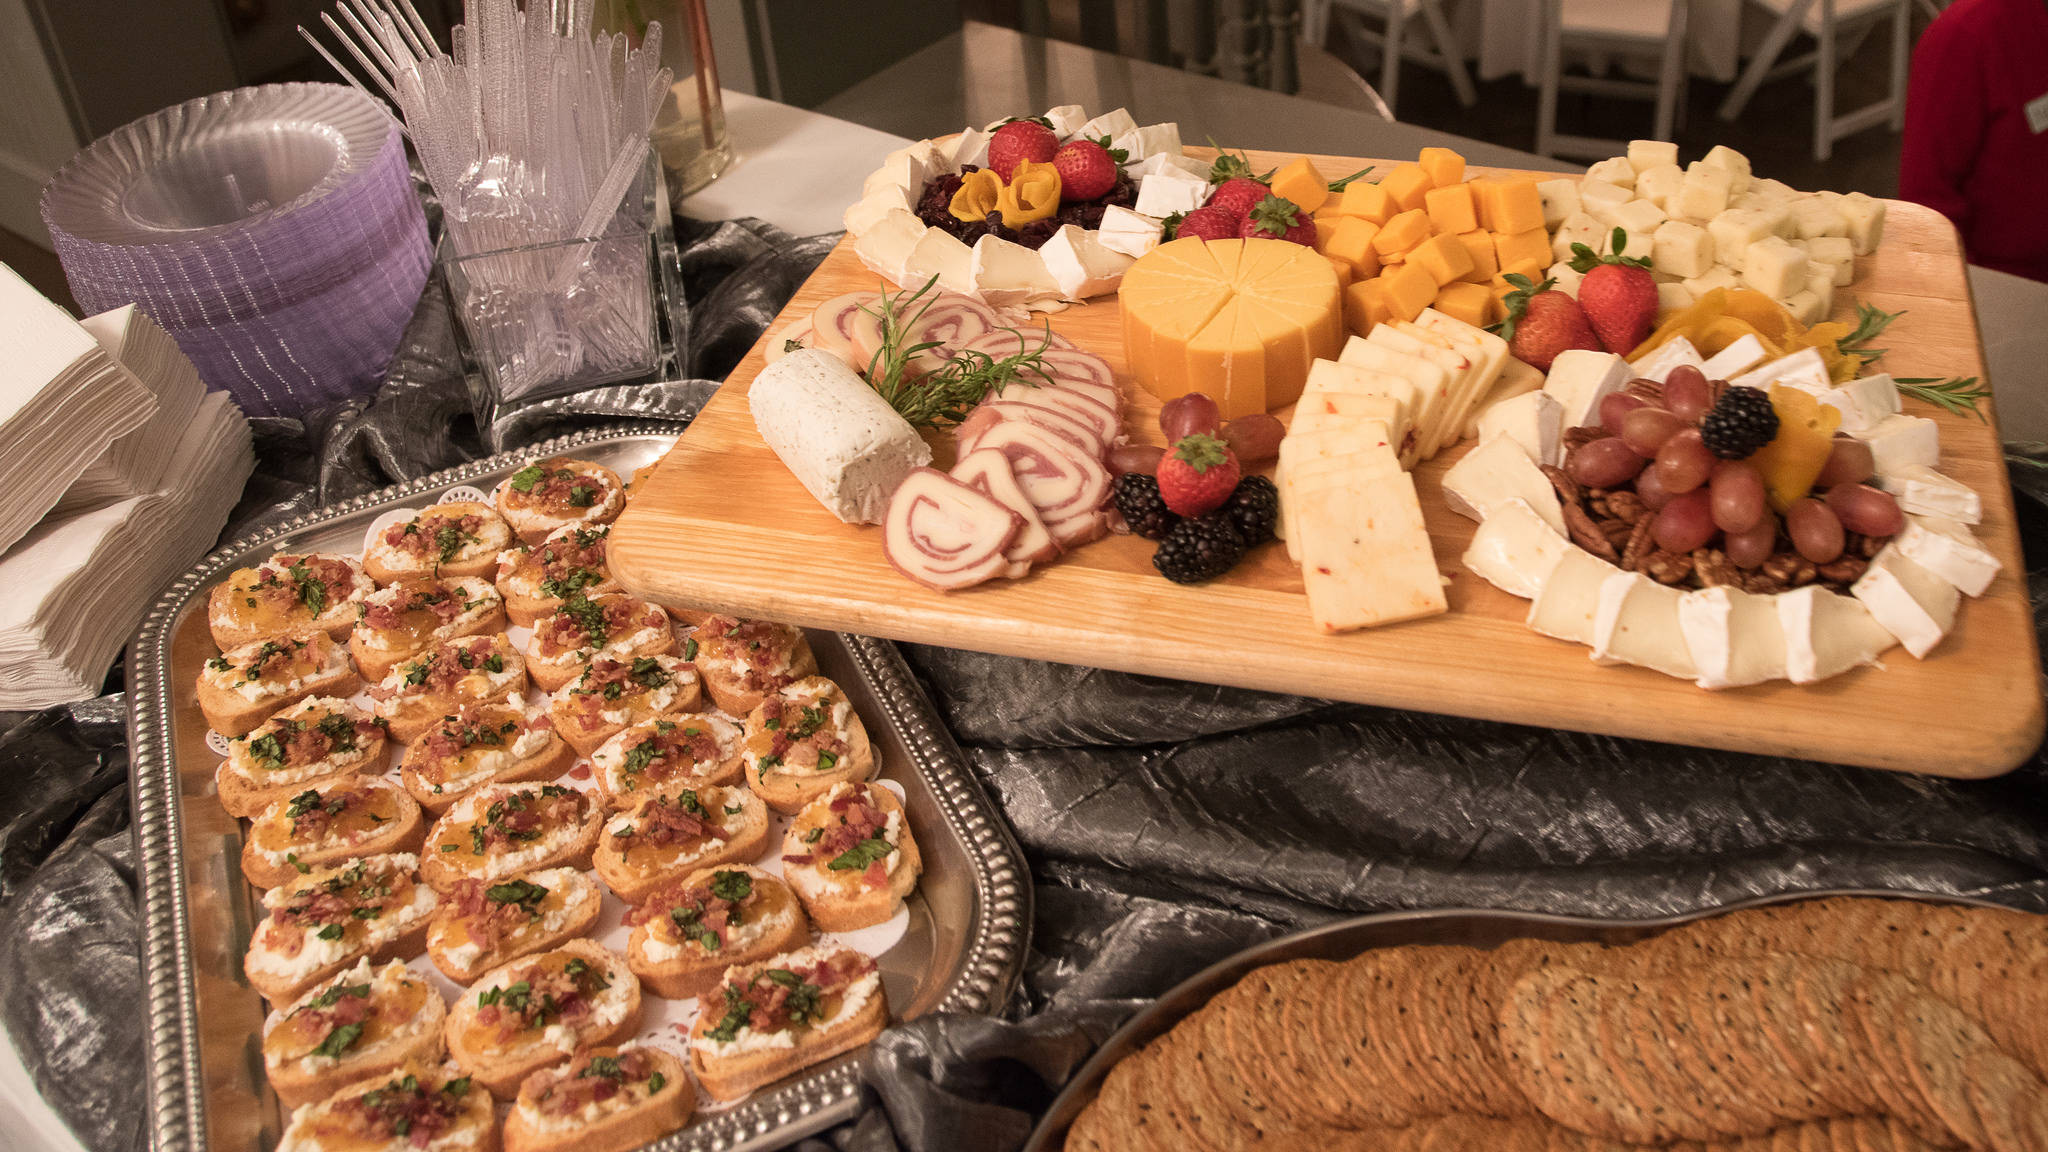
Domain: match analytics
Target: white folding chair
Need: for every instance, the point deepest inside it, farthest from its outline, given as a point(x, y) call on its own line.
point(1449, 55)
point(1828, 22)
point(1620, 27)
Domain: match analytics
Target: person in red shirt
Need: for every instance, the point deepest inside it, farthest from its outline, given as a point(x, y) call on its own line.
point(1976, 139)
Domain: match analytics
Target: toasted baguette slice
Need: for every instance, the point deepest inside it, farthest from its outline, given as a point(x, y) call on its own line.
point(479, 744)
point(671, 834)
point(685, 750)
point(619, 626)
point(481, 924)
point(364, 1022)
point(582, 988)
point(558, 1110)
point(288, 953)
point(749, 914)
point(241, 688)
point(611, 695)
point(289, 593)
point(327, 823)
point(549, 495)
point(866, 888)
point(472, 670)
point(343, 1122)
point(742, 661)
point(802, 741)
point(407, 618)
point(319, 740)
point(731, 1059)
point(460, 538)
point(535, 581)
point(501, 829)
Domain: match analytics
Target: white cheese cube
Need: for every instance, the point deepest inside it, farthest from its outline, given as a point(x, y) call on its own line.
point(1128, 232)
point(1901, 442)
point(1644, 155)
point(1659, 185)
point(1494, 473)
point(1671, 297)
point(1910, 602)
point(1864, 217)
point(1780, 216)
point(1718, 276)
point(1635, 245)
point(1805, 307)
point(1922, 491)
point(1735, 230)
point(1684, 250)
point(1066, 120)
point(1577, 228)
point(1599, 199)
point(1865, 402)
point(1736, 357)
point(887, 243)
point(1658, 363)
point(1804, 370)
point(1110, 124)
point(1948, 549)
point(1080, 264)
point(1169, 191)
point(1774, 188)
point(1570, 598)
point(1137, 170)
point(1826, 634)
point(1580, 378)
point(1813, 217)
point(1533, 420)
point(1734, 636)
point(1838, 253)
point(939, 253)
point(1515, 550)
point(1638, 216)
point(1774, 268)
point(1636, 622)
point(1703, 194)
point(1732, 162)
point(1560, 200)
point(863, 213)
point(1008, 273)
point(1567, 278)
point(1820, 281)
point(1616, 171)
point(840, 439)
point(1150, 140)
point(970, 147)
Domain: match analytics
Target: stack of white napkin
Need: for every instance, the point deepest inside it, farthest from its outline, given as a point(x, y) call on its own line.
point(129, 518)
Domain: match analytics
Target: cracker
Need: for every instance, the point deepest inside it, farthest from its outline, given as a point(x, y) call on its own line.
point(1876, 1000)
point(1363, 1079)
point(1479, 1000)
point(1646, 1022)
point(1779, 1086)
point(1438, 1034)
point(2000, 1090)
point(1822, 990)
point(1405, 1082)
point(1706, 1064)
point(1935, 1037)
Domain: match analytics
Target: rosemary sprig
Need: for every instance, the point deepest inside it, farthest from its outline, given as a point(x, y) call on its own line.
point(949, 392)
point(1871, 321)
point(1957, 394)
point(1341, 184)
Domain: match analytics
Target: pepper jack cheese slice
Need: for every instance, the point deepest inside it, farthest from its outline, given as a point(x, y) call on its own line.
point(1241, 320)
point(1365, 555)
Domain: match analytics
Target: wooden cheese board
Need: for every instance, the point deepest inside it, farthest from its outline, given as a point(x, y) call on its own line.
point(723, 525)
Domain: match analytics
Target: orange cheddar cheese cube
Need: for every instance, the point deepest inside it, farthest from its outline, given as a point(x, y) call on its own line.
point(1352, 241)
point(1450, 208)
point(1410, 289)
point(1326, 227)
point(1443, 257)
point(1464, 301)
point(1406, 184)
point(1343, 269)
point(1522, 247)
point(1485, 201)
point(1401, 233)
point(1484, 260)
point(1369, 201)
point(1298, 180)
point(1444, 166)
point(1528, 268)
point(1365, 304)
point(1517, 207)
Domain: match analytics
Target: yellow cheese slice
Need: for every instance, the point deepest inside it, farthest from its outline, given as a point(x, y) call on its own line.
point(1457, 367)
point(1359, 451)
point(1365, 554)
point(1490, 353)
point(1432, 383)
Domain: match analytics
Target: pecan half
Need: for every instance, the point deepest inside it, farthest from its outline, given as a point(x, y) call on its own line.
point(1626, 506)
point(1641, 542)
point(1583, 435)
point(1616, 532)
point(1869, 546)
point(1761, 583)
point(1668, 567)
point(1791, 569)
point(1714, 568)
point(1651, 390)
point(1587, 534)
point(1844, 570)
point(1567, 488)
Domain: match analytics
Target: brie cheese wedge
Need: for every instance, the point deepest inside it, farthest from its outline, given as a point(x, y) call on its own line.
point(1949, 550)
point(1635, 621)
point(1743, 354)
point(1864, 403)
point(1667, 356)
point(1080, 264)
point(1804, 370)
point(1901, 442)
point(1168, 191)
point(1825, 634)
point(1911, 603)
point(1515, 550)
point(1570, 599)
point(1580, 379)
point(1494, 473)
point(1734, 637)
point(1533, 420)
point(1922, 491)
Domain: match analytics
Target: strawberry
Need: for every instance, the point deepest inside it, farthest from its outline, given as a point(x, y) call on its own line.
point(1238, 195)
point(1086, 169)
point(1618, 295)
point(1276, 217)
point(1198, 474)
point(1020, 140)
point(1543, 322)
point(1207, 223)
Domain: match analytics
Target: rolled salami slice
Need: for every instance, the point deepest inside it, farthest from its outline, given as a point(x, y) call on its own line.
point(947, 535)
point(1065, 485)
point(1077, 368)
point(1072, 402)
point(840, 439)
point(778, 342)
point(1054, 420)
point(988, 471)
point(998, 343)
point(945, 320)
point(832, 322)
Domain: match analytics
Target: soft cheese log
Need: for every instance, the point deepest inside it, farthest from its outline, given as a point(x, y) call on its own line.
point(835, 434)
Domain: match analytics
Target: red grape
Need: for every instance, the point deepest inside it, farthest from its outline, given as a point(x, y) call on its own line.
point(1187, 415)
point(1738, 496)
point(1140, 458)
point(1651, 490)
point(1864, 509)
point(1815, 530)
point(1684, 463)
point(1750, 548)
point(1848, 463)
point(1686, 523)
point(1615, 407)
point(1686, 393)
point(1255, 438)
point(1605, 463)
point(1646, 429)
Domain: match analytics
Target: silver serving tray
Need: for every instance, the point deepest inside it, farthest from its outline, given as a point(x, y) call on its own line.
point(969, 918)
point(1345, 939)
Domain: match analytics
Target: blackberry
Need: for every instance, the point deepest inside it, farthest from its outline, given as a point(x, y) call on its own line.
point(1741, 422)
point(1253, 508)
point(1138, 501)
point(1199, 548)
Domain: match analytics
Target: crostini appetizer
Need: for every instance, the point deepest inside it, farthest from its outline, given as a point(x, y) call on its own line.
point(669, 834)
point(802, 740)
point(327, 823)
point(766, 1020)
point(688, 749)
point(532, 1013)
point(686, 934)
point(605, 1100)
point(850, 857)
point(320, 923)
point(316, 741)
point(479, 744)
point(417, 1107)
point(364, 1022)
point(549, 495)
point(414, 696)
point(618, 626)
point(411, 616)
point(481, 924)
point(535, 581)
point(460, 538)
point(501, 829)
point(242, 687)
point(742, 661)
point(611, 695)
point(288, 593)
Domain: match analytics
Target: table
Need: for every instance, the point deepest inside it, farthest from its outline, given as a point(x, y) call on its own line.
point(795, 169)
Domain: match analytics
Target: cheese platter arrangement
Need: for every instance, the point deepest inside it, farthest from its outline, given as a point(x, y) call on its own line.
point(1490, 420)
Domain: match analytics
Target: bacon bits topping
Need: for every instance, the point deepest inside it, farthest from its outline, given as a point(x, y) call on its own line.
point(551, 489)
point(404, 1108)
point(778, 999)
point(542, 995)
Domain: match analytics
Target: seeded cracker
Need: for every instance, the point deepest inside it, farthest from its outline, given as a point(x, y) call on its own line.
point(1935, 1038)
point(1875, 1002)
point(1999, 1088)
